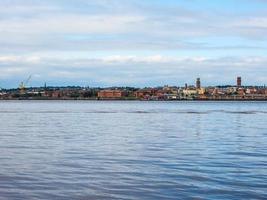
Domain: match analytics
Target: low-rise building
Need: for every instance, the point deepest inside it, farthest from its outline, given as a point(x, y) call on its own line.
point(145, 93)
point(111, 94)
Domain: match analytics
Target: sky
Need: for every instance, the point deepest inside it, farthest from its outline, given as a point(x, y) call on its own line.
point(137, 43)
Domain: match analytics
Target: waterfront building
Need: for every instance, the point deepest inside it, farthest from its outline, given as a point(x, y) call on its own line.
point(241, 92)
point(231, 90)
point(201, 91)
point(56, 94)
point(190, 92)
point(111, 94)
point(145, 93)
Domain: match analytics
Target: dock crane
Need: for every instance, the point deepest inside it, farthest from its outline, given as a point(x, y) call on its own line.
point(23, 84)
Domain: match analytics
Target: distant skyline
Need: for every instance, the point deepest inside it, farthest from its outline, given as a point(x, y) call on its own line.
point(132, 42)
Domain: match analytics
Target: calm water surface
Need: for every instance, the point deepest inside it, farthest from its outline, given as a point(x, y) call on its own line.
point(133, 150)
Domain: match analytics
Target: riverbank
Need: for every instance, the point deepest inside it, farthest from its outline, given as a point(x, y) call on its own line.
point(128, 99)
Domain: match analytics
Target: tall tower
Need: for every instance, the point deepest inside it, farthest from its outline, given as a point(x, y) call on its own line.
point(198, 84)
point(238, 81)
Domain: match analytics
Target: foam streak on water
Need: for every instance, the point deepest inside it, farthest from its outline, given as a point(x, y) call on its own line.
point(133, 150)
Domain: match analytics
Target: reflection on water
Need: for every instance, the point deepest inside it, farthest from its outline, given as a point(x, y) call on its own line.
point(133, 150)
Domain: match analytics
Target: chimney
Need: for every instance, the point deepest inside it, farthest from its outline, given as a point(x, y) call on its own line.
point(238, 81)
point(198, 84)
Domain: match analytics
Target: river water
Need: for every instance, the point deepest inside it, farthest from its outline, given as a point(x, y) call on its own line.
point(133, 150)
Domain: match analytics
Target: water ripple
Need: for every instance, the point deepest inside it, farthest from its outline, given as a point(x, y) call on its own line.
point(133, 150)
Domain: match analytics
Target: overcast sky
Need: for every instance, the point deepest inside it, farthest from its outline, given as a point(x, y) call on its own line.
point(132, 42)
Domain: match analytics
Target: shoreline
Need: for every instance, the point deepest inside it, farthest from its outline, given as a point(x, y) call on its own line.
point(140, 100)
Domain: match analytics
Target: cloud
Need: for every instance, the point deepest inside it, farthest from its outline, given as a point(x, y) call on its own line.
point(130, 42)
point(135, 70)
point(112, 25)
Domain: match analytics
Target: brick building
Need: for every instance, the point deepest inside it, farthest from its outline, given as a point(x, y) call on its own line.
point(145, 93)
point(111, 94)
